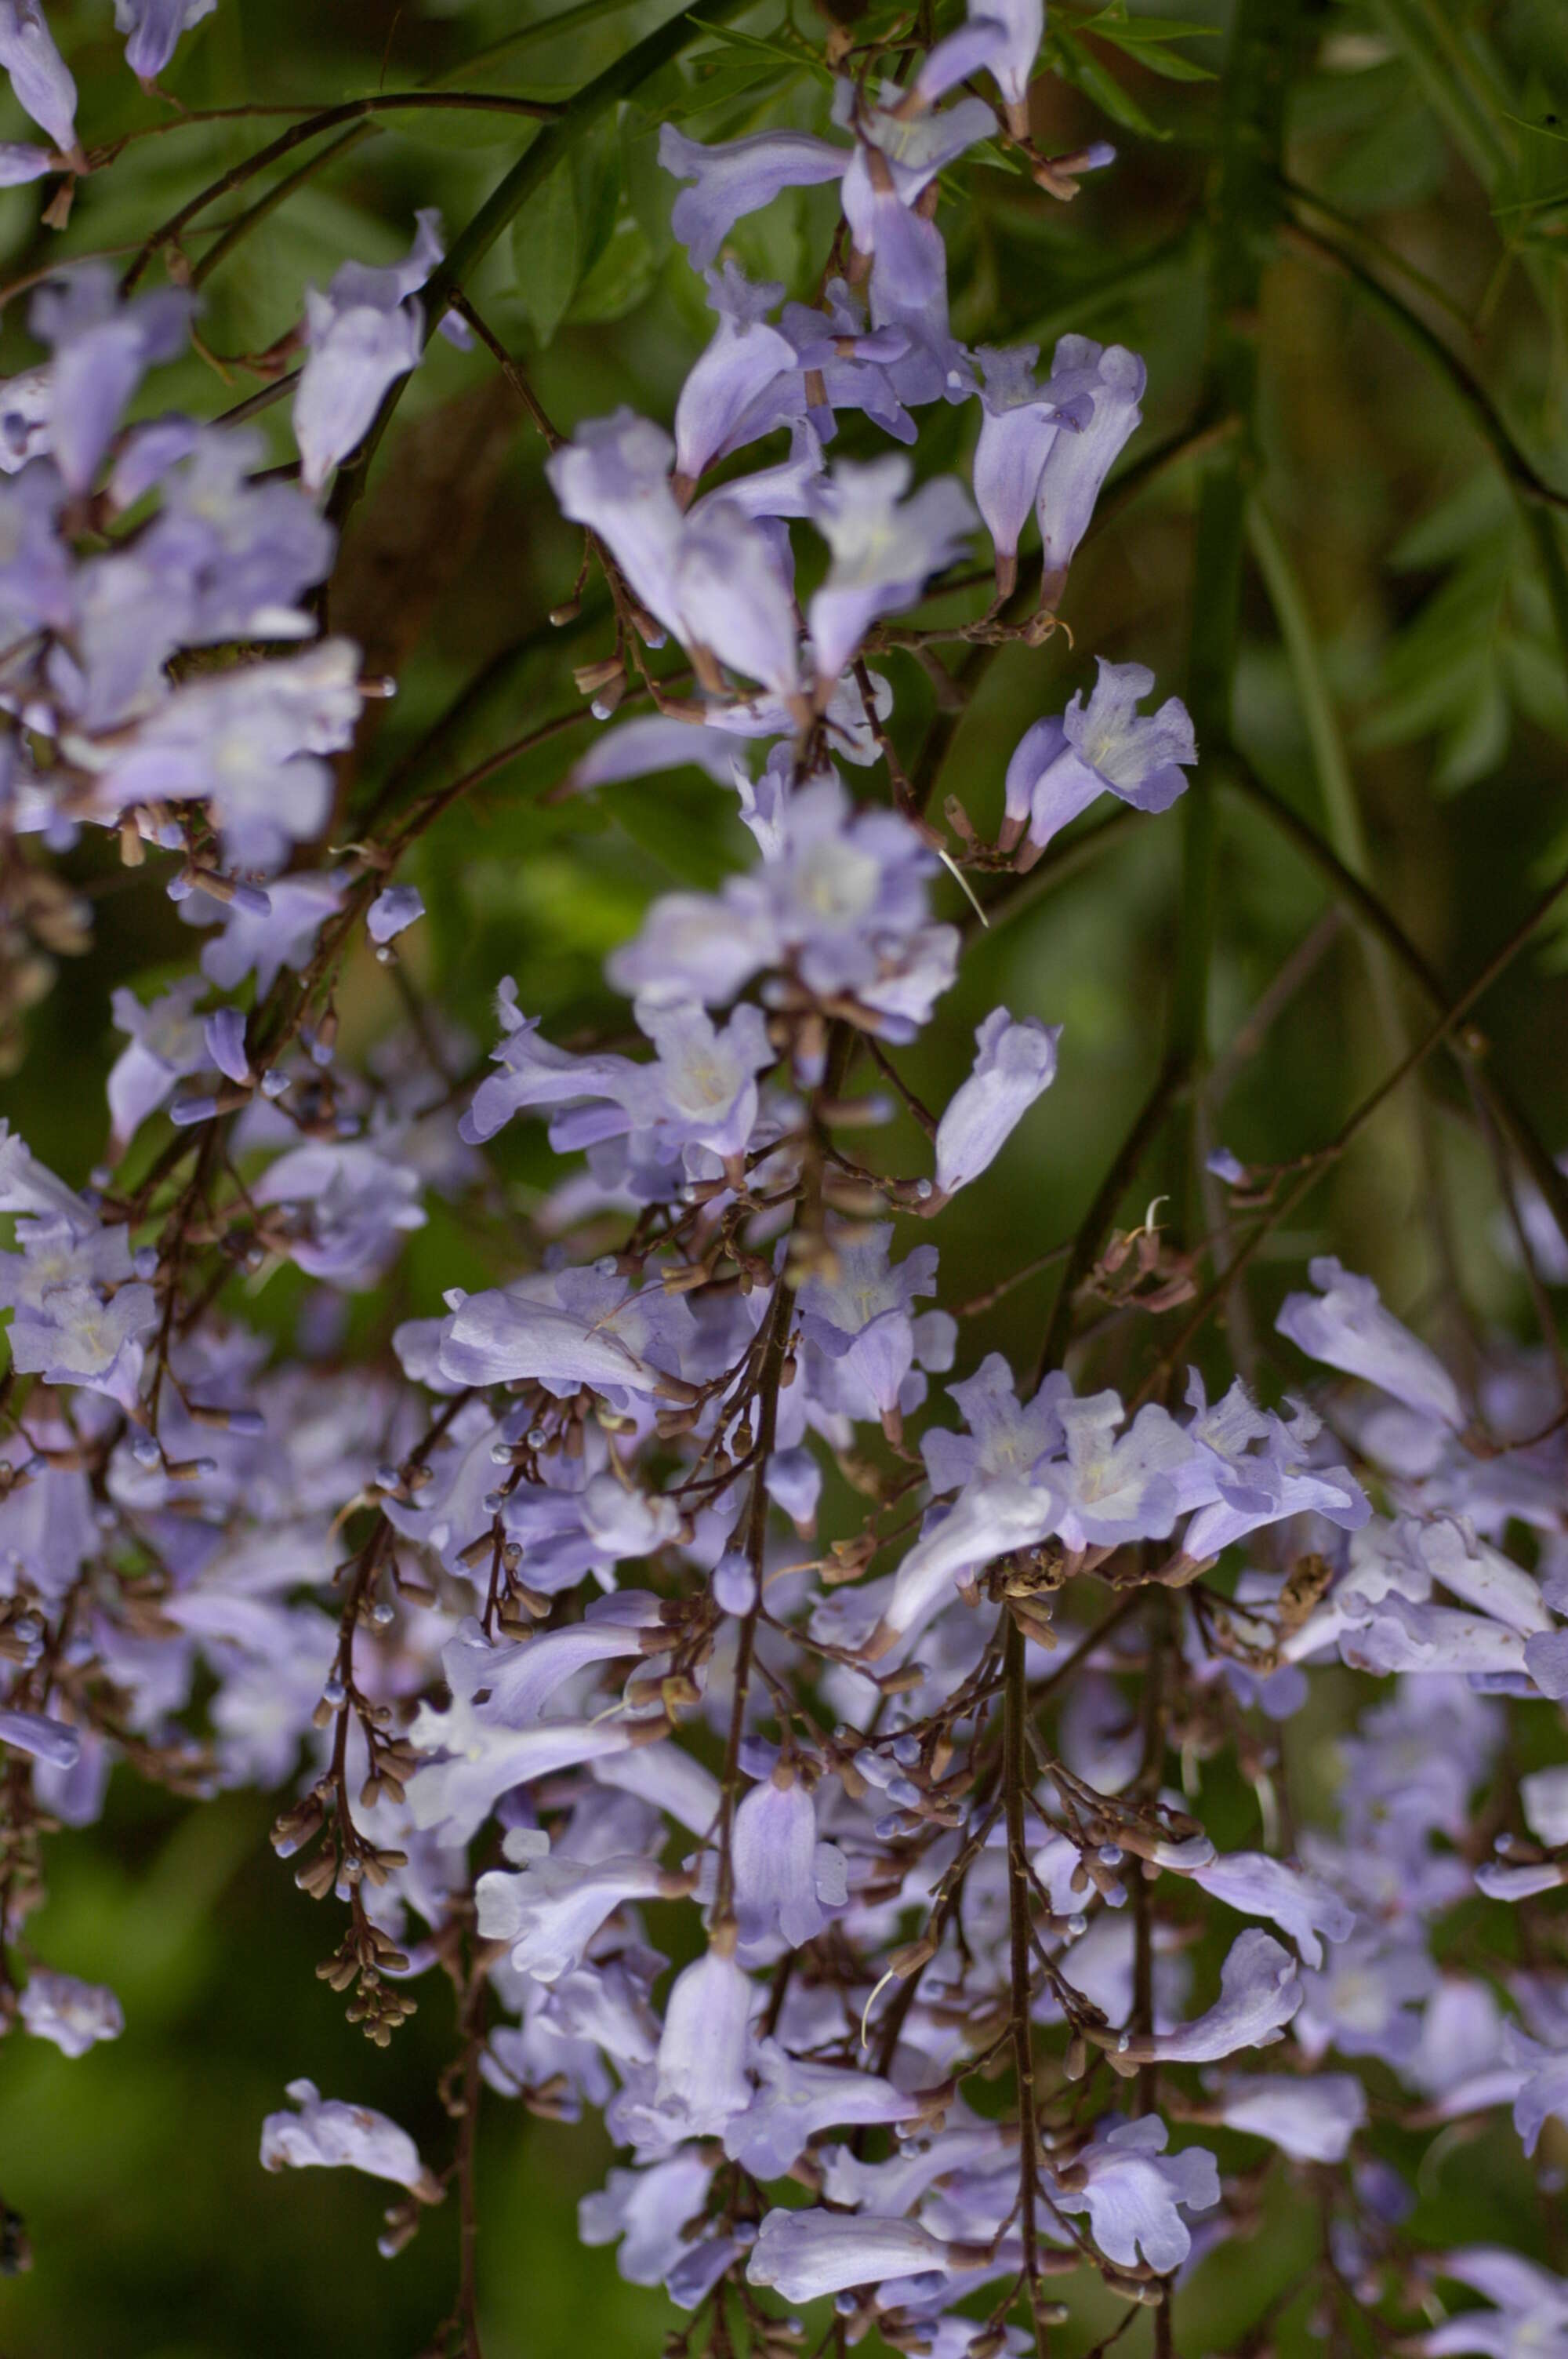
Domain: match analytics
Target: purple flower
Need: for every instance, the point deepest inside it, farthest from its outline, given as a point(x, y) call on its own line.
point(26, 399)
point(1131, 2189)
point(551, 1910)
point(1259, 1991)
point(1107, 746)
point(1019, 423)
point(784, 1875)
point(1544, 2096)
point(801, 2255)
point(363, 334)
point(1530, 2316)
point(74, 2016)
point(743, 358)
point(1117, 1488)
point(700, 2080)
point(325, 2131)
point(1023, 23)
point(1347, 1327)
point(884, 553)
point(39, 77)
point(567, 1328)
point(1077, 464)
point(1301, 1906)
point(392, 911)
point(1016, 1064)
point(103, 349)
point(249, 742)
point(39, 1736)
point(153, 26)
point(167, 1043)
point(264, 941)
point(862, 1322)
point(738, 176)
point(484, 1761)
point(711, 578)
point(1365, 2000)
point(359, 1205)
point(646, 2211)
point(1312, 2120)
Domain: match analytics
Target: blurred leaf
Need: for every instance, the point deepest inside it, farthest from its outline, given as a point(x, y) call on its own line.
point(547, 247)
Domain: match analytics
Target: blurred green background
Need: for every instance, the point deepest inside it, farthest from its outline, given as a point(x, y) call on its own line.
point(1400, 682)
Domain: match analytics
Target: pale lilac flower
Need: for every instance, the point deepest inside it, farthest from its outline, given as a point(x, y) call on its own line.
point(250, 743)
point(701, 2079)
point(1015, 1064)
point(645, 2211)
point(550, 1911)
point(799, 2098)
point(484, 1761)
point(1347, 1327)
point(361, 1203)
point(1119, 1487)
point(362, 335)
point(1134, 2193)
point(567, 1328)
point(862, 1321)
point(1259, 1991)
point(1023, 25)
point(26, 399)
point(325, 2131)
point(102, 348)
point(1530, 2317)
point(223, 1035)
point(801, 2255)
point(744, 357)
point(738, 176)
point(1019, 421)
point(264, 941)
point(1311, 2120)
point(885, 548)
point(1301, 1905)
point(1077, 464)
point(153, 26)
point(1059, 767)
point(75, 2015)
point(786, 1880)
point(912, 145)
point(1544, 2096)
point(394, 909)
point(39, 76)
point(39, 1736)
point(167, 1043)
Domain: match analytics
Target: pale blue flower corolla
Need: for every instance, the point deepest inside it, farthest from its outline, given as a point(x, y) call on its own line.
point(569, 1328)
point(843, 904)
point(1135, 2193)
point(1345, 1326)
point(1312, 2120)
point(153, 28)
point(167, 1043)
point(1077, 464)
point(1302, 1905)
point(325, 2131)
point(74, 2016)
point(744, 357)
point(1259, 1991)
point(1015, 1064)
point(1019, 421)
point(802, 2254)
point(40, 75)
point(1106, 746)
point(884, 551)
point(862, 1320)
point(362, 335)
point(700, 2077)
point(735, 177)
point(788, 1881)
point(102, 348)
point(800, 2096)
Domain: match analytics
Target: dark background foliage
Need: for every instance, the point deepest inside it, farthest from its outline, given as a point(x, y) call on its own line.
point(1400, 680)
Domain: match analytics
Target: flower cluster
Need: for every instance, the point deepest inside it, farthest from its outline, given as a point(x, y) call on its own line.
point(554, 1613)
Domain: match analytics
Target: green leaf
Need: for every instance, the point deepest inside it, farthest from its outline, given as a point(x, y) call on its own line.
point(1087, 74)
point(620, 277)
point(547, 250)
